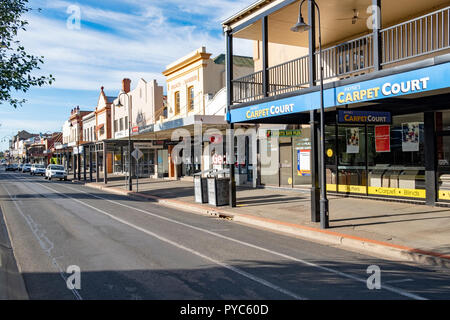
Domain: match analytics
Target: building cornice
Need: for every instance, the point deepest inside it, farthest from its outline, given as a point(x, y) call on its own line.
point(185, 63)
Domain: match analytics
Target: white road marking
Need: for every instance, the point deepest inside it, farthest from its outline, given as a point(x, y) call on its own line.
point(399, 281)
point(45, 243)
point(342, 274)
point(175, 244)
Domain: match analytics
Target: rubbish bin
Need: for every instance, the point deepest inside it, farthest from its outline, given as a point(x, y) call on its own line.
point(218, 191)
point(201, 189)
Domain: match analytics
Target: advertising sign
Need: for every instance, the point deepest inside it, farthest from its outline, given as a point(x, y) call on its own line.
point(383, 138)
point(304, 162)
point(363, 117)
point(410, 136)
point(396, 85)
point(284, 133)
point(352, 138)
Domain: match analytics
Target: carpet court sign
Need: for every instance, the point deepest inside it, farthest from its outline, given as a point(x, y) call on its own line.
point(363, 117)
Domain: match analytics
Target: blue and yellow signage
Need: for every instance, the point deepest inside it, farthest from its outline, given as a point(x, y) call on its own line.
point(363, 117)
point(416, 81)
point(361, 93)
point(274, 110)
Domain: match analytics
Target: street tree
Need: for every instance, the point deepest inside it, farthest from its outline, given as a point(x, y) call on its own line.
point(16, 65)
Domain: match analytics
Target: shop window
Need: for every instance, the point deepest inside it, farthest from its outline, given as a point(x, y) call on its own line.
point(443, 154)
point(269, 161)
point(191, 98)
point(399, 163)
point(177, 102)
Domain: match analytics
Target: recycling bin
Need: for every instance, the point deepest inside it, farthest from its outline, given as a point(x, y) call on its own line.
point(218, 191)
point(201, 189)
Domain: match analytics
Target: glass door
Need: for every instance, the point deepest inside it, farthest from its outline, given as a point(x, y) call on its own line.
point(352, 159)
point(285, 165)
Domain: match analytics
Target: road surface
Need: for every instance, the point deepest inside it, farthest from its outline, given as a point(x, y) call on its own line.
point(132, 249)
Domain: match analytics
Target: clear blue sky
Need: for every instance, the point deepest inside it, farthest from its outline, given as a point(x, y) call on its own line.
point(116, 39)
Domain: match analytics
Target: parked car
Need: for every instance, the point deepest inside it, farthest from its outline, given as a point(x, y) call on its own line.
point(12, 167)
point(55, 171)
point(37, 169)
point(26, 168)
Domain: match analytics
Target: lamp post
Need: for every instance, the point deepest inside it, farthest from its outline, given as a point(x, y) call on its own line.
point(301, 26)
point(118, 104)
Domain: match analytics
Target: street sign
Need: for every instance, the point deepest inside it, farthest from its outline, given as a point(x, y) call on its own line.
point(143, 145)
point(137, 154)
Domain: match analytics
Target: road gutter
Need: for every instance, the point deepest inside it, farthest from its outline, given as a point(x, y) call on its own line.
point(12, 284)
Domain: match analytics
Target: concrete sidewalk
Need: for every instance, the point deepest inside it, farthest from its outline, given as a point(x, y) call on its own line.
point(394, 230)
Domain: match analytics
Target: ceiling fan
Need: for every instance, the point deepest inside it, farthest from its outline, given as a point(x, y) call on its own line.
point(355, 17)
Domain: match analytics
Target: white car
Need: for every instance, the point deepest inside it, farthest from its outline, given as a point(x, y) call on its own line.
point(37, 169)
point(55, 171)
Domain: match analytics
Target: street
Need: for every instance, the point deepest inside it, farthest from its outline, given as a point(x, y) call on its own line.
point(131, 249)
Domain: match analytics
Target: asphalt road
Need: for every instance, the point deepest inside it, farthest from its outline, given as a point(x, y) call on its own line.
point(131, 249)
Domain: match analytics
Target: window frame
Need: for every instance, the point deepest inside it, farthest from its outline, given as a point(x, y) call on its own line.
point(177, 102)
point(190, 98)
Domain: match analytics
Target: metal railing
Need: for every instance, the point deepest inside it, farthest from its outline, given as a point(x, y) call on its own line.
point(289, 76)
point(424, 35)
point(248, 88)
point(354, 56)
point(416, 37)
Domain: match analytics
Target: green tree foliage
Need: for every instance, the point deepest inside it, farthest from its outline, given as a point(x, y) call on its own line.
point(16, 65)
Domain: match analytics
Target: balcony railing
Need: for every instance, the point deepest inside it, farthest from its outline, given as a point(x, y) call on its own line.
point(408, 40)
point(355, 56)
point(417, 37)
point(289, 76)
point(248, 88)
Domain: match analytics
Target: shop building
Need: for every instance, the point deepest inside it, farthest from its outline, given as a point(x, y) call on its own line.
point(144, 104)
point(386, 95)
point(196, 104)
point(72, 139)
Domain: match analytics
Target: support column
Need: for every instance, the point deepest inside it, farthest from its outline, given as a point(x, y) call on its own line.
point(230, 135)
point(90, 163)
point(265, 55)
point(229, 73)
point(312, 44)
point(231, 163)
point(84, 163)
point(105, 164)
point(79, 165)
point(97, 167)
point(122, 162)
point(315, 186)
point(430, 150)
point(74, 165)
point(377, 41)
point(67, 161)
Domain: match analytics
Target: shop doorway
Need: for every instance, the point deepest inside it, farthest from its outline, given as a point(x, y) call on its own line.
point(285, 164)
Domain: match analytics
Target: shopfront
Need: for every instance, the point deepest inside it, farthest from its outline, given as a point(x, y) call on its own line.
point(375, 153)
point(285, 157)
point(384, 137)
